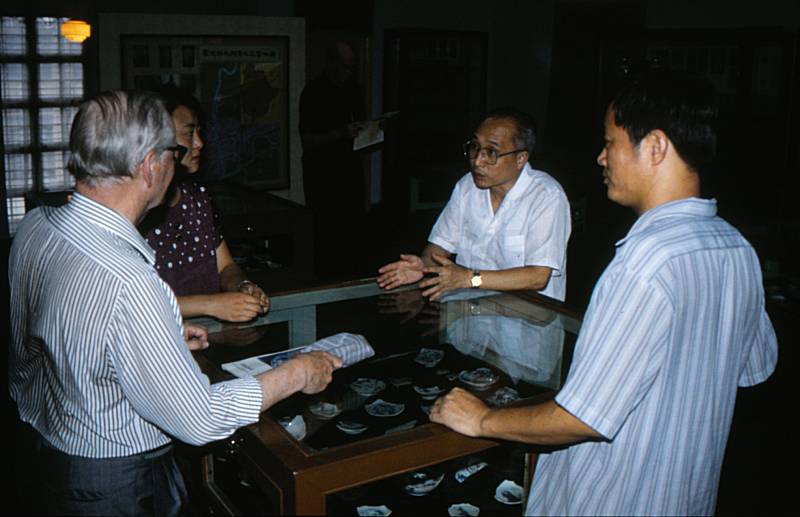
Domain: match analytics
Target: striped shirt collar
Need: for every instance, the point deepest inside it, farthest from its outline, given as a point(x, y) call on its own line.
point(112, 222)
point(692, 207)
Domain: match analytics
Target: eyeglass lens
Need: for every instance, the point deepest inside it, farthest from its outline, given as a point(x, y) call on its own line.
point(473, 149)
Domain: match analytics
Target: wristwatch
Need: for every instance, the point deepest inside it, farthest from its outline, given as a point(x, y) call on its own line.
point(476, 280)
point(243, 283)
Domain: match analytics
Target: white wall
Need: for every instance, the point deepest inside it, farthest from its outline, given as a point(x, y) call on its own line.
point(112, 26)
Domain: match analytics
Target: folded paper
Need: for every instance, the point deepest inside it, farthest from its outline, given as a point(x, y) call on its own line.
point(350, 348)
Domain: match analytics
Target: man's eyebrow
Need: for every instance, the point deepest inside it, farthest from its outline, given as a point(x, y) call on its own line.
point(492, 142)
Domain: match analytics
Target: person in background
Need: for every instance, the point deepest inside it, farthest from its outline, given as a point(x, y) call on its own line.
point(675, 325)
point(506, 223)
point(332, 112)
point(100, 364)
point(191, 253)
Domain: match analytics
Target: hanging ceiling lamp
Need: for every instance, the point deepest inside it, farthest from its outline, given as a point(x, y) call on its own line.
point(76, 30)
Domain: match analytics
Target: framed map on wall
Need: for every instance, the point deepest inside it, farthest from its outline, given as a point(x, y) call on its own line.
point(242, 84)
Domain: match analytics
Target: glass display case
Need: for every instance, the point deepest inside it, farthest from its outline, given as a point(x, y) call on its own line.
point(312, 453)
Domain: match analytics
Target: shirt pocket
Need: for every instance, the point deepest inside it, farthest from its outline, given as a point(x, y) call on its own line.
point(512, 251)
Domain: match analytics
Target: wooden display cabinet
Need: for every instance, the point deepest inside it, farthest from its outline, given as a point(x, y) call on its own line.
point(525, 339)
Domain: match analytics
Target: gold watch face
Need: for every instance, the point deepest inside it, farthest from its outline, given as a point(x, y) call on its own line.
point(476, 280)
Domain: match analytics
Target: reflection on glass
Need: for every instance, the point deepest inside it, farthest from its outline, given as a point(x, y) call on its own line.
point(525, 351)
point(524, 340)
point(498, 346)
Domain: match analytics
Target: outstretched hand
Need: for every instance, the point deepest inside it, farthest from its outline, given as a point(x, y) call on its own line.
point(449, 276)
point(405, 271)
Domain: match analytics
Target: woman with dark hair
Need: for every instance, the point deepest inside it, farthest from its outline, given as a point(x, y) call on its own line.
point(191, 253)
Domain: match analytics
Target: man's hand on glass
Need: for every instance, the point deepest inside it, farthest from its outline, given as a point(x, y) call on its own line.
point(407, 270)
point(461, 411)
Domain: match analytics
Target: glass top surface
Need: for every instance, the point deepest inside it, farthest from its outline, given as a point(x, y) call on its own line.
point(498, 346)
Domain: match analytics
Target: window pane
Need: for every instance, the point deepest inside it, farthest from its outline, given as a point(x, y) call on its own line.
point(50, 126)
point(54, 176)
point(12, 36)
point(15, 82)
point(72, 80)
point(16, 211)
point(55, 124)
point(49, 41)
point(67, 116)
point(16, 128)
point(60, 81)
point(19, 173)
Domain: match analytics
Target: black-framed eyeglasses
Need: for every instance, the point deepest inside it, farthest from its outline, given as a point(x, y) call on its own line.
point(178, 151)
point(472, 150)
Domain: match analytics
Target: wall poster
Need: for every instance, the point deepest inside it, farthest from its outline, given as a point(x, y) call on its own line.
point(242, 84)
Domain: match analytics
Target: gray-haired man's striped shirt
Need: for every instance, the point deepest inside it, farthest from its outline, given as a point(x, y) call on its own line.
point(98, 362)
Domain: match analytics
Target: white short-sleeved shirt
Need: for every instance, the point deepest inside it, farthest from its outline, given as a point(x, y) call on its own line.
point(675, 325)
point(531, 227)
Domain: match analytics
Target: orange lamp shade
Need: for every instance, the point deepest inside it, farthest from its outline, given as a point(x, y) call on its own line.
point(76, 30)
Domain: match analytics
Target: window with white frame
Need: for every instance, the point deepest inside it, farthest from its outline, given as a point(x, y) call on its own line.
point(42, 83)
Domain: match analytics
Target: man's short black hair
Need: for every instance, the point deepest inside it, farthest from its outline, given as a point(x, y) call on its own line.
point(525, 137)
point(683, 106)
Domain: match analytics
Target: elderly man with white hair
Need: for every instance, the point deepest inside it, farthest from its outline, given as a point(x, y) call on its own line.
point(100, 366)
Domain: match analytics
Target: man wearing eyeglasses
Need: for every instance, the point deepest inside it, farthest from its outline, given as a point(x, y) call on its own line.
point(99, 363)
point(675, 326)
point(505, 227)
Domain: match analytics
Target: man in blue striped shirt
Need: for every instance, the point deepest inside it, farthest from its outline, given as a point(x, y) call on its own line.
point(100, 366)
point(675, 325)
